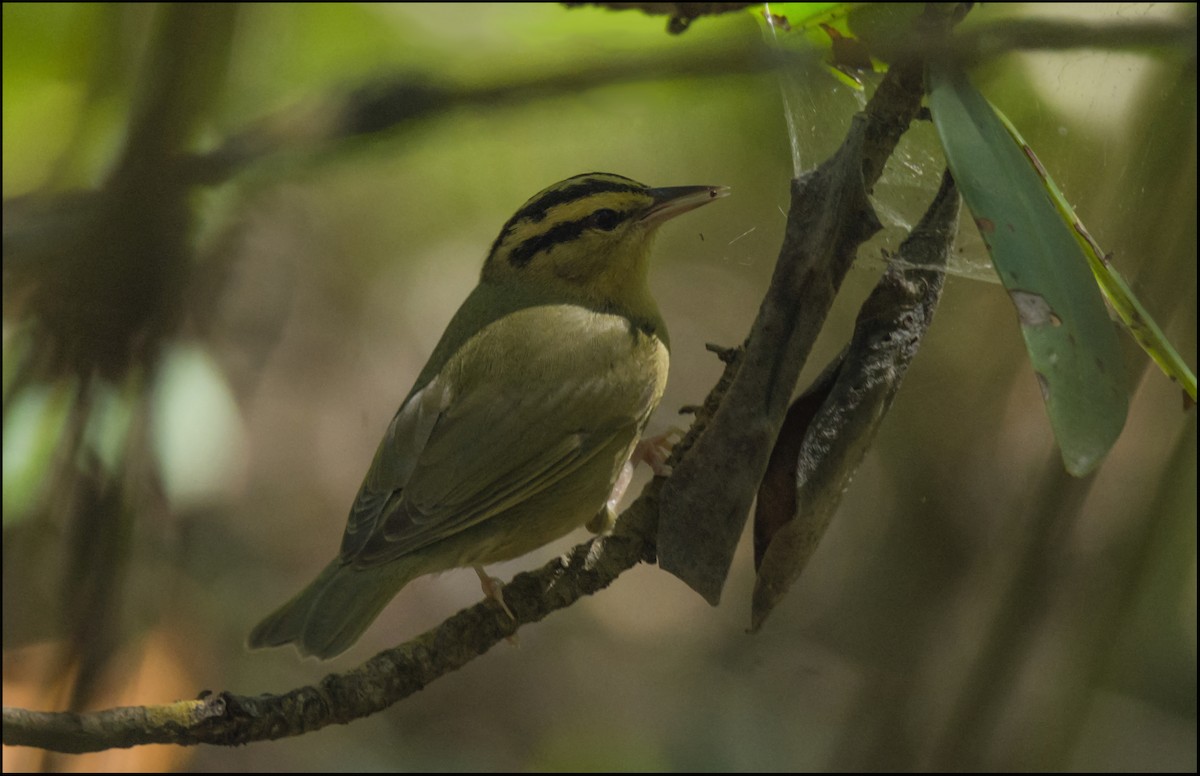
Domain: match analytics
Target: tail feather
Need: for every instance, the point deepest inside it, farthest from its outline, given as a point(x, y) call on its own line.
point(327, 617)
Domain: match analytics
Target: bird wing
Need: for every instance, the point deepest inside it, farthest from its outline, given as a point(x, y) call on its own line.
point(397, 455)
point(453, 458)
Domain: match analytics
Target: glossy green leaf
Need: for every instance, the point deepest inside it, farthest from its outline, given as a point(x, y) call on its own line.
point(1071, 341)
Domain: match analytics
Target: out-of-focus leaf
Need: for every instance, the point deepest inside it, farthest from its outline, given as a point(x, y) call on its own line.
point(109, 422)
point(1070, 340)
point(198, 436)
point(33, 427)
point(50, 52)
point(1118, 293)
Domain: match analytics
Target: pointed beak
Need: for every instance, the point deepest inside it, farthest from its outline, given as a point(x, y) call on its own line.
point(674, 201)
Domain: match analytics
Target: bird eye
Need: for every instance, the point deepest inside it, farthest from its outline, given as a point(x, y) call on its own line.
point(606, 219)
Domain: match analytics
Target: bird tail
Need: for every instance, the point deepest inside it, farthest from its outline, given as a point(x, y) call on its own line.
point(327, 617)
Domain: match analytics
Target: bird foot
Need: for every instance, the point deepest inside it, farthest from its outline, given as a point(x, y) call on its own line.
point(654, 451)
point(493, 588)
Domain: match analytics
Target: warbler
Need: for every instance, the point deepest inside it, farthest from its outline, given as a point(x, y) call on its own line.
point(520, 423)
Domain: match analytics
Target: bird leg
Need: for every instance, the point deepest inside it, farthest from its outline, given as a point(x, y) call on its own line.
point(654, 452)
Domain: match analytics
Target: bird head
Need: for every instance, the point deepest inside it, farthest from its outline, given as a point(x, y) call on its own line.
point(588, 238)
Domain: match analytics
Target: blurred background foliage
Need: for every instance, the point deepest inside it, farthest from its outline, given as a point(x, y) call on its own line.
point(218, 288)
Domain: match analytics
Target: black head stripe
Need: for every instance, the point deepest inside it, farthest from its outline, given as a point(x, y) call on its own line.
point(585, 187)
point(524, 253)
point(559, 233)
point(571, 189)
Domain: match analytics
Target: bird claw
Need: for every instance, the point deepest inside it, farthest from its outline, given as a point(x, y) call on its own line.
point(654, 451)
point(493, 588)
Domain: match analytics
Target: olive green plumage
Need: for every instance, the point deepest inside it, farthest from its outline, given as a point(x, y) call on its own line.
point(519, 424)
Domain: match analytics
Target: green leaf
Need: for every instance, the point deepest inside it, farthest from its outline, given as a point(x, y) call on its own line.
point(1071, 341)
point(1137, 319)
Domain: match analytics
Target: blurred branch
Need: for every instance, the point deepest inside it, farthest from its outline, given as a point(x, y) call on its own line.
point(976, 714)
point(681, 14)
point(974, 45)
point(184, 74)
point(103, 272)
point(987, 41)
point(393, 102)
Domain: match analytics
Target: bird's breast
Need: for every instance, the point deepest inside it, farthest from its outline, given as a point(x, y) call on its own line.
point(601, 365)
